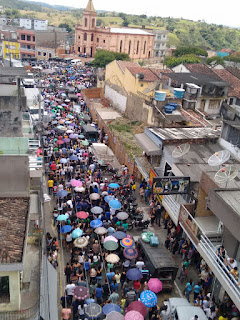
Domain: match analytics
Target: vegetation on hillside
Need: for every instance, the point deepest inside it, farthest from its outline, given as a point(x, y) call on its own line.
point(103, 57)
point(187, 58)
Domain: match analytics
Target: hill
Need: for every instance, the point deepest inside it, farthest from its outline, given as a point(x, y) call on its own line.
point(20, 5)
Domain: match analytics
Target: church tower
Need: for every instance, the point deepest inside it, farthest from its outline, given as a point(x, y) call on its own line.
point(89, 20)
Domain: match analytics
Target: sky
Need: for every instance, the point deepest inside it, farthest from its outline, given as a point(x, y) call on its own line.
point(211, 11)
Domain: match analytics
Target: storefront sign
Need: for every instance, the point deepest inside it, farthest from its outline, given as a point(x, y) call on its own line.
point(170, 185)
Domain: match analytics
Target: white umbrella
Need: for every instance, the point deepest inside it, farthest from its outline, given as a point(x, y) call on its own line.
point(94, 196)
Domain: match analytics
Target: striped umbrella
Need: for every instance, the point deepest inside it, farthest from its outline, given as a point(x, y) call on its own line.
point(127, 243)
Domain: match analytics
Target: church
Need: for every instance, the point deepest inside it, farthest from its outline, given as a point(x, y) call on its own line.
point(138, 43)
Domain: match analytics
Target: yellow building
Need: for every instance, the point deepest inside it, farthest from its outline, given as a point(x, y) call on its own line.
point(10, 48)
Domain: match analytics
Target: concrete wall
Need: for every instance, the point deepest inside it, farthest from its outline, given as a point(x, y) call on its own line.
point(10, 117)
point(230, 243)
point(135, 109)
point(8, 90)
point(14, 288)
point(202, 205)
point(18, 145)
point(14, 173)
point(119, 101)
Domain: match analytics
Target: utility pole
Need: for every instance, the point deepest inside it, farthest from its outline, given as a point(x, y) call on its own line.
point(39, 106)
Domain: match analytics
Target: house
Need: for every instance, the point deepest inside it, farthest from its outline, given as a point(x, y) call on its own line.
point(138, 43)
point(160, 42)
point(34, 24)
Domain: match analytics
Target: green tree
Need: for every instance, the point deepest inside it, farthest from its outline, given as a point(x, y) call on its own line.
point(99, 22)
point(188, 58)
point(103, 57)
point(125, 23)
point(181, 51)
point(215, 60)
point(66, 26)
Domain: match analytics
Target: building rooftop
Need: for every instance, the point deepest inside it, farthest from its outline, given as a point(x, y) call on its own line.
point(90, 6)
point(149, 76)
point(130, 31)
point(234, 71)
point(200, 68)
point(125, 64)
point(232, 80)
point(232, 198)
point(13, 220)
point(13, 72)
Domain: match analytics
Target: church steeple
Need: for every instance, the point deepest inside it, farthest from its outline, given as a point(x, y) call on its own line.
point(90, 6)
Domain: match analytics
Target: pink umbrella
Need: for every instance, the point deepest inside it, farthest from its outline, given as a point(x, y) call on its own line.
point(60, 142)
point(79, 94)
point(133, 315)
point(82, 215)
point(66, 140)
point(155, 285)
point(76, 183)
point(110, 238)
point(85, 154)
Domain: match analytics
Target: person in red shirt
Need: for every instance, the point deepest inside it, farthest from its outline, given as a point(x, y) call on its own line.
point(53, 166)
point(137, 287)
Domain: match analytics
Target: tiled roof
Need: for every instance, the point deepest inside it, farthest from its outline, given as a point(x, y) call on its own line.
point(234, 90)
point(148, 74)
point(200, 68)
point(160, 73)
point(234, 71)
point(125, 64)
point(13, 218)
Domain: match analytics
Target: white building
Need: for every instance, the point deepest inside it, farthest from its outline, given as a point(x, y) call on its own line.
point(160, 42)
point(29, 24)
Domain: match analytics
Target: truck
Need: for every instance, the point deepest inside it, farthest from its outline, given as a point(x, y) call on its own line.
point(160, 263)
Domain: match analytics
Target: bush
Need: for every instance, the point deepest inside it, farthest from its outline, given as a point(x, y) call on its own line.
point(103, 57)
point(215, 60)
point(174, 61)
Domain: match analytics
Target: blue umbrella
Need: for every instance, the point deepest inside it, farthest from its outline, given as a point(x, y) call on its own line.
point(73, 158)
point(96, 223)
point(77, 233)
point(114, 185)
point(148, 298)
point(109, 198)
point(134, 274)
point(111, 230)
point(63, 160)
point(62, 217)
point(115, 204)
point(62, 193)
point(66, 229)
point(109, 307)
point(119, 235)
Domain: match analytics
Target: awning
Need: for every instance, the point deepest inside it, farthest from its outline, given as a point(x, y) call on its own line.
point(148, 146)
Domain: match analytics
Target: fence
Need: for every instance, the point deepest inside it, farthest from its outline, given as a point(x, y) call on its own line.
point(20, 314)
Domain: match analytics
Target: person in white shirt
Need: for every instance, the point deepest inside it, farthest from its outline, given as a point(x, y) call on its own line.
point(69, 290)
point(140, 264)
point(231, 263)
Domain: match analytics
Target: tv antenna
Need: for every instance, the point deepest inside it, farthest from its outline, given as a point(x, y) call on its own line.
point(180, 150)
point(226, 174)
point(219, 158)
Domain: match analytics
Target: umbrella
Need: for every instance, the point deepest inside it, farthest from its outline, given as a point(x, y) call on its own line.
point(81, 242)
point(94, 196)
point(155, 285)
point(110, 245)
point(148, 298)
point(69, 130)
point(96, 210)
point(130, 253)
point(108, 198)
point(134, 274)
point(80, 292)
point(66, 229)
point(126, 243)
point(63, 160)
point(110, 238)
point(75, 183)
point(77, 233)
point(66, 140)
point(60, 142)
point(115, 204)
point(79, 189)
point(137, 306)
point(104, 193)
point(114, 185)
point(100, 230)
point(81, 136)
point(62, 193)
point(122, 215)
point(111, 230)
point(93, 310)
point(85, 143)
point(96, 223)
point(82, 215)
point(112, 258)
point(119, 235)
point(114, 315)
point(133, 315)
point(109, 307)
point(73, 136)
point(73, 158)
point(62, 217)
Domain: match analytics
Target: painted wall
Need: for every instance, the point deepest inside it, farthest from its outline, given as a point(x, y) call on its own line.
point(14, 288)
point(119, 100)
point(10, 48)
point(16, 145)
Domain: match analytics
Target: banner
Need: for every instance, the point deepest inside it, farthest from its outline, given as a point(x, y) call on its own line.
point(170, 185)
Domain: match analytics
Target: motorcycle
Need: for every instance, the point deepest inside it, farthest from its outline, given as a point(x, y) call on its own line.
point(139, 224)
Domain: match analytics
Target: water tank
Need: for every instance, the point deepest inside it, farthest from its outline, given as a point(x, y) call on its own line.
point(160, 95)
point(169, 109)
point(174, 105)
point(178, 93)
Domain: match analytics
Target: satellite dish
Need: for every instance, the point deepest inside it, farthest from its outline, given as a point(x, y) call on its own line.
point(180, 150)
point(219, 158)
point(226, 174)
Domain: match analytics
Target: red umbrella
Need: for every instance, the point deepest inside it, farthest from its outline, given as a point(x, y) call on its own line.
point(59, 137)
point(137, 306)
point(82, 215)
point(60, 142)
point(155, 285)
point(80, 293)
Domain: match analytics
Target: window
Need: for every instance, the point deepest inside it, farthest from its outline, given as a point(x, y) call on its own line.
point(34, 38)
point(50, 55)
point(4, 290)
point(144, 47)
point(137, 47)
point(84, 50)
point(6, 46)
point(129, 47)
point(97, 39)
point(44, 54)
point(85, 36)
point(39, 53)
point(92, 37)
point(22, 36)
point(85, 22)
point(104, 41)
point(28, 38)
point(23, 46)
point(78, 49)
point(231, 101)
point(93, 23)
point(120, 49)
point(78, 37)
point(28, 47)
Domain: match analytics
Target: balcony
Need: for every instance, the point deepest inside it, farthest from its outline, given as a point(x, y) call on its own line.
point(206, 242)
